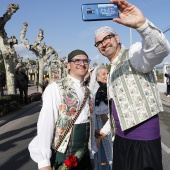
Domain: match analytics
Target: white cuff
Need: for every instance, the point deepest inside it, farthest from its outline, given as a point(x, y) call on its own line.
point(146, 28)
point(44, 163)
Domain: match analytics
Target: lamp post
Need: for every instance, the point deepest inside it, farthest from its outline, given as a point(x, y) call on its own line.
point(166, 30)
point(130, 36)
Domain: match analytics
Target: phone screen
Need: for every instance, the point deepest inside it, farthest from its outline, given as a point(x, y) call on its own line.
point(101, 11)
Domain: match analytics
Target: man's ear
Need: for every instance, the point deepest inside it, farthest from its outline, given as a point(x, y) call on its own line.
point(68, 66)
point(117, 38)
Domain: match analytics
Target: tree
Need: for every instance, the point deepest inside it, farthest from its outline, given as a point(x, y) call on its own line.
point(109, 66)
point(42, 52)
point(2, 66)
point(7, 48)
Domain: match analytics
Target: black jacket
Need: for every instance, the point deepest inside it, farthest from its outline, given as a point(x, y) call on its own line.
point(2, 80)
point(168, 78)
point(21, 80)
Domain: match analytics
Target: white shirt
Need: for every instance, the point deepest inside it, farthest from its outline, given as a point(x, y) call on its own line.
point(40, 146)
point(146, 54)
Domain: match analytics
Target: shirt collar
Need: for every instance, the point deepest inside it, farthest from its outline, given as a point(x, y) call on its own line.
point(80, 84)
point(117, 60)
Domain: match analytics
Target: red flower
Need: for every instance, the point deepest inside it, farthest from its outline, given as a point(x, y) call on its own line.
point(71, 161)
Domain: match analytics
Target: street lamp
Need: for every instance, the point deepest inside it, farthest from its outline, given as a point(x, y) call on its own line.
point(166, 30)
point(130, 36)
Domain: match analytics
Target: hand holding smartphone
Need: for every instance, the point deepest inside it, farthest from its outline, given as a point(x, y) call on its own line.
point(99, 11)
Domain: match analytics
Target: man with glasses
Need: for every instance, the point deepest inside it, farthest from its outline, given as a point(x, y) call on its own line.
point(61, 103)
point(132, 90)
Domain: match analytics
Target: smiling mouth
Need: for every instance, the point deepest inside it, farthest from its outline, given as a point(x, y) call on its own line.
point(106, 48)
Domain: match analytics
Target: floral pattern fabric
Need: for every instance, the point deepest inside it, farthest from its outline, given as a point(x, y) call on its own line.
point(135, 94)
point(68, 108)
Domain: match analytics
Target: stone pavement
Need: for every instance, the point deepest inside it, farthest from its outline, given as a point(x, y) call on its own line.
point(31, 89)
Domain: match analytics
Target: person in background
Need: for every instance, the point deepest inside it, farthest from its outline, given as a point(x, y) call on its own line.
point(134, 100)
point(167, 75)
point(2, 83)
point(61, 102)
point(46, 81)
point(103, 157)
point(21, 82)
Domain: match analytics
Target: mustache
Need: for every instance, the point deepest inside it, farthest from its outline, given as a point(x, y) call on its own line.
point(84, 66)
point(106, 46)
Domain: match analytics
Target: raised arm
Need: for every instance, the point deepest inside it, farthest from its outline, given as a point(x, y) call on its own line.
point(129, 15)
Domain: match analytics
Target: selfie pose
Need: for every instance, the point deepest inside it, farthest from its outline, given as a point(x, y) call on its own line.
point(132, 91)
point(65, 120)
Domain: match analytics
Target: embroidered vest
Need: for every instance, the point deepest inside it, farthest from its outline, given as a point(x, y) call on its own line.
point(134, 93)
point(67, 110)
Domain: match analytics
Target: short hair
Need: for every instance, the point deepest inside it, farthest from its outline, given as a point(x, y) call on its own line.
point(99, 68)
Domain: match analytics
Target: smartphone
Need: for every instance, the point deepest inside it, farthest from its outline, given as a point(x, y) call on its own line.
point(99, 11)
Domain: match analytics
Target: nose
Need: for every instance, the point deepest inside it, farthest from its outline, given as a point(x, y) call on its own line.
point(81, 62)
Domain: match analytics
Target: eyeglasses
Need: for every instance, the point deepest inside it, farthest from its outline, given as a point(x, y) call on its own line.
point(77, 61)
point(105, 40)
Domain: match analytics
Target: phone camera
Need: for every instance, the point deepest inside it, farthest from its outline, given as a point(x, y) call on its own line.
point(90, 11)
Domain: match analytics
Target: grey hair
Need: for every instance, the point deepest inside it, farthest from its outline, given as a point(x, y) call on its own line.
point(99, 68)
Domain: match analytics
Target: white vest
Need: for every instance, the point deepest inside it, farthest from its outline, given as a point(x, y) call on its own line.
point(135, 94)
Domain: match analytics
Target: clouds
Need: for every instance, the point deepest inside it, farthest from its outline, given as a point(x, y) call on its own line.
point(24, 52)
point(20, 48)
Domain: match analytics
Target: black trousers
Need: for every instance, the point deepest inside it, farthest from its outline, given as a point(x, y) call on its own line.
point(137, 155)
point(2, 91)
point(168, 89)
point(23, 93)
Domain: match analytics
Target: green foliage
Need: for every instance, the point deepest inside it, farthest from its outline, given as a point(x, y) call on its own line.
point(9, 98)
point(32, 62)
point(160, 77)
point(24, 64)
point(109, 66)
point(11, 103)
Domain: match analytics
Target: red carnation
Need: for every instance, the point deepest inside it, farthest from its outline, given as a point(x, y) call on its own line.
point(71, 161)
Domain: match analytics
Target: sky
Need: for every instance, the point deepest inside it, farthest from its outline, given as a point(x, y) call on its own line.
point(65, 30)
